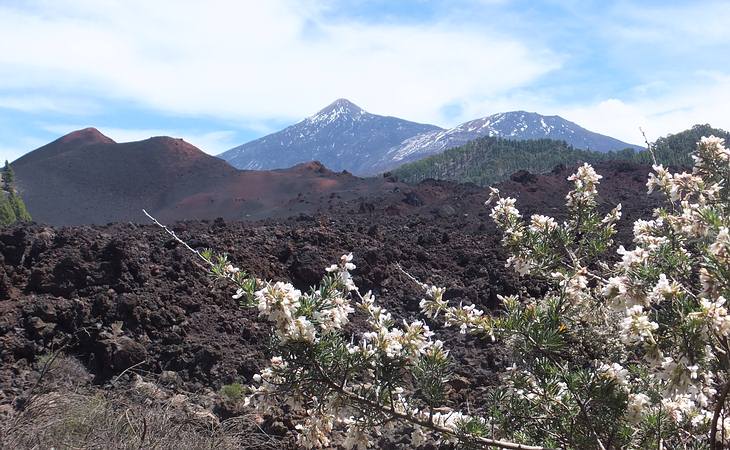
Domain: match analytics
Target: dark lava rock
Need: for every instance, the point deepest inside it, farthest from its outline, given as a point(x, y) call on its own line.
point(413, 199)
point(68, 286)
point(523, 177)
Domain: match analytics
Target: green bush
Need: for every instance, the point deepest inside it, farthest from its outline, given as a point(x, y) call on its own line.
point(233, 391)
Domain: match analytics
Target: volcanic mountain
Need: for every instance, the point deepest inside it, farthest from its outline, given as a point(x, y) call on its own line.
point(345, 137)
point(518, 125)
point(85, 177)
point(342, 136)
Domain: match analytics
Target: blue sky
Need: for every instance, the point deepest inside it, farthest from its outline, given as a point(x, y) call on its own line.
point(221, 72)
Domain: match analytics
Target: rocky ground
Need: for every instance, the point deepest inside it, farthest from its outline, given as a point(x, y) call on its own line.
point(125, 300)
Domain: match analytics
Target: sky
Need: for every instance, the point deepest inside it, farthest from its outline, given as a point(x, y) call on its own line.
point(219, 73)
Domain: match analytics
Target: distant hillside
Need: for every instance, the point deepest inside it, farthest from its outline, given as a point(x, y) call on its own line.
point(488, 160)
point(515, 125)
point(85, 178)
point(342, 136)
point(345, 137)
point(675, 149)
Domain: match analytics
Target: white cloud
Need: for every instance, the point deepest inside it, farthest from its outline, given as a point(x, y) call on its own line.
point(243, 63)
point(246, 60)
point(704, 100)
point(46, 103)
point(692, 24)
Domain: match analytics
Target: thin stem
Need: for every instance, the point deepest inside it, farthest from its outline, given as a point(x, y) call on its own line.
point(174, 236)
point(716, 416)
point(425, 423)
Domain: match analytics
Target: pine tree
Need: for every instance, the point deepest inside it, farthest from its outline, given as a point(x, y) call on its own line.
point(8, 174)
point(12, 207)
point(7, 212)
point(18, 206)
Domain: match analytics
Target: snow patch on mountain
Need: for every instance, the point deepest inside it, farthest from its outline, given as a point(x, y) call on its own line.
point(509, 125)
point(342, 136)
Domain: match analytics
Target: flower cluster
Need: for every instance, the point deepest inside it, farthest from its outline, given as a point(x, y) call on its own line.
point(623, 353)
point(657, 316)
point(654, 325)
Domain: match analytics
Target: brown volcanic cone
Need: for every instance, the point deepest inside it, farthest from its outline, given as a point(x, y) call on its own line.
point(85, 177)
point(71, 141)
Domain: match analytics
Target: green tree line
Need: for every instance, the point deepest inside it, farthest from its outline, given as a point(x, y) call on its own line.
point(489, 160)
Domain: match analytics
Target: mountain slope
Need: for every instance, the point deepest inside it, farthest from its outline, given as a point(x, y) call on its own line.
point(342, 136)
point(71, 141)
point(86, 178)
point(517, 125)
point(675, 149)
point(488, 160)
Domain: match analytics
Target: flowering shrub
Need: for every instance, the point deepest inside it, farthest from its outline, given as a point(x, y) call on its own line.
point(631, 354)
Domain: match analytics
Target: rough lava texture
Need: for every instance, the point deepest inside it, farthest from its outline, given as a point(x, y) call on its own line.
point(74, 286)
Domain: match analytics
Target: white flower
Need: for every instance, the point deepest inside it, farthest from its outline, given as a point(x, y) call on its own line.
point(520, 265)
point(575, 285)
point(715, 314)
point(678, 407)
point(301, 329)
point(493, 194)
point(585, 176)
point(333, 314)
point(616, 286)
point(615, 372)
point(662, 179)
point(230, 269)
point(434, 302)
point(504, 212)
point(636, 327)
point(356, 439)
point(719, 248)
point(585, 181)
point(664, 289)
point(613, 216)
point(315, 431)
point(278, 302)
point(636, 407)
point(542, 223)
point(630, 259)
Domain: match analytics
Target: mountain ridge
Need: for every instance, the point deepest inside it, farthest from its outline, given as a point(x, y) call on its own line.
point(516, 125)
point(87, 178)
point(344, 136)
point(341, 135)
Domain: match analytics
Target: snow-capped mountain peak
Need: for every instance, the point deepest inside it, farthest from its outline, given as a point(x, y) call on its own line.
point(338, 110)
point(342, 136)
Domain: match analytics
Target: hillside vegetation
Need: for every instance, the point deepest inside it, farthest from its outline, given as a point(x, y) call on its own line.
point(488, 160)
point(12, 208)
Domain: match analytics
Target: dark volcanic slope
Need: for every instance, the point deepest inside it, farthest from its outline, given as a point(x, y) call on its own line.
point(86, 177)
point(439, 231)
point(69, 142)
point(68, 286)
